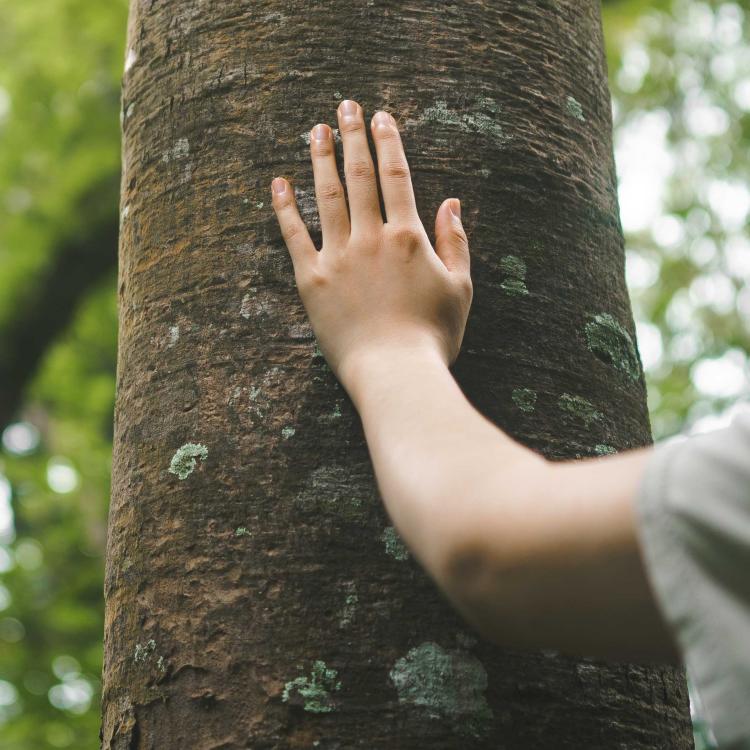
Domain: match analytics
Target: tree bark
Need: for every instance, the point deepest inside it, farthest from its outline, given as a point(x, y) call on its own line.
point(256, 595)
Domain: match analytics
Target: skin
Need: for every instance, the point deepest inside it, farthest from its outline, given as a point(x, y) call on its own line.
point(534, 554)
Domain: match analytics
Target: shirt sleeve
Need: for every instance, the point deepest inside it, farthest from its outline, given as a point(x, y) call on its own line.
point(693, 522)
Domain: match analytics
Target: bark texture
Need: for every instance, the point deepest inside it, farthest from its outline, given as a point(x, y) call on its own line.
point(256, 595)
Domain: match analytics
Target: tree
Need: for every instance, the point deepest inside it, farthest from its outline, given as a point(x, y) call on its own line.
point(256, 595)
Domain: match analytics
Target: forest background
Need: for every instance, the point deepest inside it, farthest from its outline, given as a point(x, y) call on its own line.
point(680, 77)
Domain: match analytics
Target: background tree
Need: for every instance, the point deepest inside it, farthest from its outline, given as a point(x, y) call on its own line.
point(255, 592)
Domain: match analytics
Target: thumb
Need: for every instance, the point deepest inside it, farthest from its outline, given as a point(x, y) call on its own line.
point(451, 244)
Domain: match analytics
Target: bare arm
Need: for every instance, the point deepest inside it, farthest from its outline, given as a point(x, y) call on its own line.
point(534, 554)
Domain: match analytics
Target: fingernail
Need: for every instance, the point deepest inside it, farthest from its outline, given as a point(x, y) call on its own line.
point(455, 206)
point(382, 118)
point(278, 185)
point(348, 107)
point(321, 132)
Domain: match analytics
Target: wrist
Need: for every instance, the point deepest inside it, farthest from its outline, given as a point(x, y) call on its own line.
point(376, 366)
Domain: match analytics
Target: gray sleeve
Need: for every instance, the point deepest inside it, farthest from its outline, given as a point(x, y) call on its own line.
point(693, 520)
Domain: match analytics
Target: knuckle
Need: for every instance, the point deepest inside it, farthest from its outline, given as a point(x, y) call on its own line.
point(291, 231)
point(405, 236)
point(457, 235)
point(322, 148)
point(359, 169)
point(330, 192)
point(390, 138)
point(465, 285)
point(396, 170)
point(352, 125)
point(311, 280)
point(283, 202)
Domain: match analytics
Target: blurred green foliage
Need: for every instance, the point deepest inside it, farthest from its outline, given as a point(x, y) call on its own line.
point(682, 93)
point(681, 84)
point(60, 68)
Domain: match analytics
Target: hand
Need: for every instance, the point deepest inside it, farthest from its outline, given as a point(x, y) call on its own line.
point(375, 287)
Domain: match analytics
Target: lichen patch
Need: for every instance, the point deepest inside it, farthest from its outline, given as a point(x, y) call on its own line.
point(612, 344)
point(574, 108)
point(514, 270)
point(524, 399)
point(481, 117)
point(580, 407)
point(394, 545)
point(144, 652)
point(602, 449)
point(445, 684)
point(313, 693)
point(185, 459)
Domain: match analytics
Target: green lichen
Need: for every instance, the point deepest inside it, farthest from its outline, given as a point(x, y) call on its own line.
point(602, 449)
point(613, 344)
point(287, 432)
point(524, 399)
point(143, 651)
point(241, 531)
point(515, 287)
point(446, 684)
point(349, 610)
point(579, 407)
point(394, 545)
point(184, 460)
point(313, 693)
point(484, 120)
point(513, 266)
point(574, 108)
point(514, 269)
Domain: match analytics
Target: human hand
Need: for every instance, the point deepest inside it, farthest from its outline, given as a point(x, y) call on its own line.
point(375, 287)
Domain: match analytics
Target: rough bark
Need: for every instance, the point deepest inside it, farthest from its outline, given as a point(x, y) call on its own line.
point(261, 601)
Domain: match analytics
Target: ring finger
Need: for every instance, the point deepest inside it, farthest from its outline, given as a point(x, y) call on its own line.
point(361, 183)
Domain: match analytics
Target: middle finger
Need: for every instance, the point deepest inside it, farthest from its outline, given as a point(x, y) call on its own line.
point(361, 185)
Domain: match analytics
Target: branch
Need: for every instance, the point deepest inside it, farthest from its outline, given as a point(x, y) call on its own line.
point(81, 259)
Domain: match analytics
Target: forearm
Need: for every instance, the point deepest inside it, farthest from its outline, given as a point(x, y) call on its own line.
point(429, 447)
point(534, 554)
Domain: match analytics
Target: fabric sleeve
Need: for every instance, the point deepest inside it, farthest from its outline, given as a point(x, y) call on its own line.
point(693, 521)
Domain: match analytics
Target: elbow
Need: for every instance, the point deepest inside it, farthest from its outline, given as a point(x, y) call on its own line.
point(468, 574)
point(471, 581)
point(493, 562)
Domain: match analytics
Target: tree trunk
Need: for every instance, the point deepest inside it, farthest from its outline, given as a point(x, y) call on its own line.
point(257, 596)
